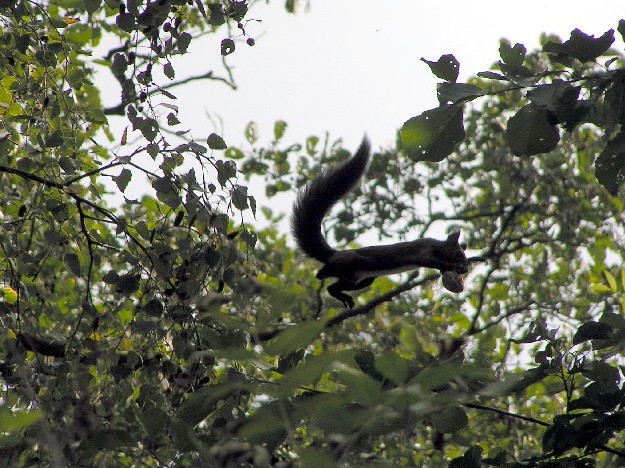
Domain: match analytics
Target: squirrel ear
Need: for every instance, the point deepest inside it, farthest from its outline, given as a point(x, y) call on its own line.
point(453, 237)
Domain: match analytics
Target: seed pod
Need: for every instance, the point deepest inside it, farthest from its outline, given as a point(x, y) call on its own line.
point(453, 282)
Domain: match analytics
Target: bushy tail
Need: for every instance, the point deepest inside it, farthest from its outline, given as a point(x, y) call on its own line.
point(316, 199)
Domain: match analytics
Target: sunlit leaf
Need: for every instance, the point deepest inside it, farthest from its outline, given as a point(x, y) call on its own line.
point(295, 337)
point(433, 135)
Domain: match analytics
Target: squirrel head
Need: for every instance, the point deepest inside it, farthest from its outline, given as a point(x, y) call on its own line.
point(453, 252)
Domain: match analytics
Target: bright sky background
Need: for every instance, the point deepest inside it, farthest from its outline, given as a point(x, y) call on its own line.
point(350, 67)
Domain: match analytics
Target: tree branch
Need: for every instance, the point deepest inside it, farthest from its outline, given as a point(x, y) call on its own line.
point(409, 284)
point(477, 406)
point(120, 109)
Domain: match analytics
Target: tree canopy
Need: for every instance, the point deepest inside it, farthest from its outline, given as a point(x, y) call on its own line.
point(167, 328)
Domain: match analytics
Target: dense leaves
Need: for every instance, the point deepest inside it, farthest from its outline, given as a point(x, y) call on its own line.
point(565, 89)
point(162, 329)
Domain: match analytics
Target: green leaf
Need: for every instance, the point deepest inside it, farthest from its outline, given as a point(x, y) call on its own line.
point(278, 129)
point(92, 5)
point(154, 308)
point(13, 421)
point(227, 47)
point(154, 421)
point(392, 366)
point(172, 119)
point(72, 262)
point(290, 5)
point(491, 75)
point(295, 337)
point(54, 140)
point(215, 142)
point(532, 131)
point(449, 420)
point(315, 457)
point(183, 42)
point(153, 150)
point(434, 377)
point(581, 46)
point(96, 116)
point(148, 127)
point(311, 368)
point(592, 330)
point(249, 238)
point(126, 22)
point(602, 372)
point(455, 93)
point(163, 185)
point(432, 135)
point(168, 70)
point(239, 197)
point(119, 65)
point(561, 98)
point(203, 401)
point(610, 165)
point(472, 458)
point(289, 360)
point(110, 438)
point(182, 435)
point(559, 437)
point(234, 153)
point(601, 288)
point(123, 179)
point(360, 387)
point(550, 96)
point(446, 67)
point(127, 284)
point(251, 132)
point(512, 56)
point(217, 17)
point(22, 42)
point(611, 280)
point(225, 171)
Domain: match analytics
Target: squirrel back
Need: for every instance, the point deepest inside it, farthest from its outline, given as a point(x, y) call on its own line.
point(315, 200)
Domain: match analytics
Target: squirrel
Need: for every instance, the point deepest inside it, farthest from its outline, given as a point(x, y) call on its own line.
point(358, 268)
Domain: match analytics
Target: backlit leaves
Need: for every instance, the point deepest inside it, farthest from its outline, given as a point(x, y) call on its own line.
point(581, 46)
point(532, 131)
point(432, 135)
point(554, 97)
point(610, 165)
point(215, 142)
point(446, 67)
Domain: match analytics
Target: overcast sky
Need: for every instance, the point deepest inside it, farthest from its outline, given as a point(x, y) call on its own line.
point(350, 67)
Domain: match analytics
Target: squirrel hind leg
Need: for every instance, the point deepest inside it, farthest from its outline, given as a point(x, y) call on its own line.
point(336, 290)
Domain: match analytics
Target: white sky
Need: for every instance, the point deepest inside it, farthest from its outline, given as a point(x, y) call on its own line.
point(350, 67)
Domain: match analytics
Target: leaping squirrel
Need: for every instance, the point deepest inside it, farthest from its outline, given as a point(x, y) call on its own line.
point(357, 268)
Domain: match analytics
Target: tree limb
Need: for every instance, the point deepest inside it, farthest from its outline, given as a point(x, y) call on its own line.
point(409, 284)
